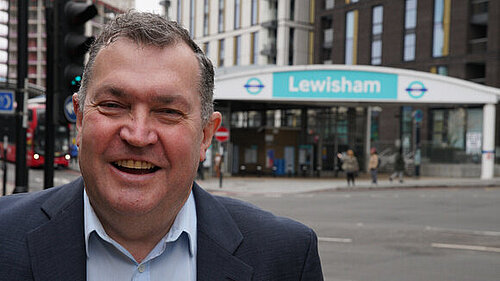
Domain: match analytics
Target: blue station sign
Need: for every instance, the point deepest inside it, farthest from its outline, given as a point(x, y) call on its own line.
point(335, 84)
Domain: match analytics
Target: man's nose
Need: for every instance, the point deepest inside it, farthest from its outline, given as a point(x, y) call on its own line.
point(139, 131)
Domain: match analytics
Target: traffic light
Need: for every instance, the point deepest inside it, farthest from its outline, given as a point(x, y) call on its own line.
point(72, 45)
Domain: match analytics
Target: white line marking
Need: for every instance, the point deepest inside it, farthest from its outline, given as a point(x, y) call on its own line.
point(466, 247)
point(333, 239)
point(464, 231)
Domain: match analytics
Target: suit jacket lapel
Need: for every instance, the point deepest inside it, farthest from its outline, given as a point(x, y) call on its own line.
point(218, 239)
point(57, 248)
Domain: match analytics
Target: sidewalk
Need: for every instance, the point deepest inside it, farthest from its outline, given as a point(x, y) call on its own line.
point(280, 185)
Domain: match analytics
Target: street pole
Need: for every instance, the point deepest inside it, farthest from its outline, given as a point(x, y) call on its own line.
point(51, 23)
point(5, 144)
point(22, 71)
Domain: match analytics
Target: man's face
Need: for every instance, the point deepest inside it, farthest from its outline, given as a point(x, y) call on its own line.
point(140, 133)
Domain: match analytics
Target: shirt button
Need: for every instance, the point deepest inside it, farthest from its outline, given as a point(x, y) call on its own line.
point(141, 268)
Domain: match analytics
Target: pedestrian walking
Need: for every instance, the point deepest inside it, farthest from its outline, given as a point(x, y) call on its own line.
point(374, 164)
point(350, 166)
point(399, 168)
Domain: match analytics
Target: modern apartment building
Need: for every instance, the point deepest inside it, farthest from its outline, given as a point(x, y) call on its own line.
point(458, 38)
point(254, 32)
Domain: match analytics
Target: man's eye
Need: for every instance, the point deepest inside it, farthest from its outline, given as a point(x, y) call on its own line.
point(111, 105)
point(170, 114)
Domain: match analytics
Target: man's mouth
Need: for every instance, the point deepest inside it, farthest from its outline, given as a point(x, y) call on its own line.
point(135, 167)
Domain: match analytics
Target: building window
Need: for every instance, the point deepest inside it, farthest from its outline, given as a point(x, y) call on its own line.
point(221, 16)
point(377, 28)
point(237, 14)
point(221, 53)
point(254, 47)
point(179, 10)
point(206, 48)
point(255, 12)
point(326, 47)
point(329, 4)
point(441, 32)
point(191, 18)
point(206, 17)
point(441, 70)
point(237, 50)
point(351, 40)
point(290, 46)
point(410, 37)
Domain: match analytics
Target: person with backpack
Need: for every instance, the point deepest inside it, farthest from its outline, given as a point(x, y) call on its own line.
point(373, 164)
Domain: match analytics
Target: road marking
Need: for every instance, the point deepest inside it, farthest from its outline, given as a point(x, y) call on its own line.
point(463, 231)
point(466, 247)
point(336, 240)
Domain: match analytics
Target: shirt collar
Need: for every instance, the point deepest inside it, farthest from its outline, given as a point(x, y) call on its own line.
point(185, 221)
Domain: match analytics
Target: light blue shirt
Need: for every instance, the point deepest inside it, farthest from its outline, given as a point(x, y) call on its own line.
point(173, 258)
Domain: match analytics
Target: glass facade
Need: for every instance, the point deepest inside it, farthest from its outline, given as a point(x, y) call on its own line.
point(237, 50)
point(410, 37)
point(377, 29)
point(191, 18)
point(206, 17)
point(221, 53)
point(237, 14)
point(440, 40)
point(220, 22)
point(255, 12)
point(351, 37)
point(254, 48)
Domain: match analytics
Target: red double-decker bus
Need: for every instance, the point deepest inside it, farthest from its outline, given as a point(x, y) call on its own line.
point(35, 138)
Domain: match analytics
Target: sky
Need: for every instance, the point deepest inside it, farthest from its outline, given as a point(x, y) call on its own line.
point(148, 5)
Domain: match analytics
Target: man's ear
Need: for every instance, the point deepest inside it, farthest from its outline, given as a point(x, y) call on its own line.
point(79, 117)
point(208, 133)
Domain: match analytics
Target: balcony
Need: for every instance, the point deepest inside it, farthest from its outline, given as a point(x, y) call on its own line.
point(478, 46)
point(269, 50)
point(328, 38)
point(272, 24)
point(479, 12)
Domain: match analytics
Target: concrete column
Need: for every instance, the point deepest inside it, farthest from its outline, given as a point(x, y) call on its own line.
point(488, 151)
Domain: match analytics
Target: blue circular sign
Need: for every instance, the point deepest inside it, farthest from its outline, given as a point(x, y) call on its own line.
point(254, 86)
point(416, 89)
point(69, 112)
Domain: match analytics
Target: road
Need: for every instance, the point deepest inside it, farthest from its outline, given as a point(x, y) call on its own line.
point(401, 235)
point(411, 234)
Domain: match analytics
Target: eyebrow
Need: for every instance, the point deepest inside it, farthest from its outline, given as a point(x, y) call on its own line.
point(118, 92)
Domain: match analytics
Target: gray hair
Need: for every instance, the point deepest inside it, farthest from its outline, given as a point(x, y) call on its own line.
point(151, 30)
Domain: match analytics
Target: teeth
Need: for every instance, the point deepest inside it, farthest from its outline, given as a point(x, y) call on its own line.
point(131, 164)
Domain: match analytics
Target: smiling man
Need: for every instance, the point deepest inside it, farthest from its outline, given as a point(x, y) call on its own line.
point(145, 120)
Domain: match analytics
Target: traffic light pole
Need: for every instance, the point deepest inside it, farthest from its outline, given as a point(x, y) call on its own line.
point(22, 71)
point(51, 23)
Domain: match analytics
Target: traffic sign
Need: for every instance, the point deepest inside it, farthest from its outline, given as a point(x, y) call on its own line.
point(222, 134)
point(69, 112)
point(6, 102)
point(418, 115)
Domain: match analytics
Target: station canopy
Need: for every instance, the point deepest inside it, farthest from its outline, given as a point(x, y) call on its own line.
point(349, 83)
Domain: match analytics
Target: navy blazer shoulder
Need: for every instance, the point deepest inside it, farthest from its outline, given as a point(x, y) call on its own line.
point(41, 238)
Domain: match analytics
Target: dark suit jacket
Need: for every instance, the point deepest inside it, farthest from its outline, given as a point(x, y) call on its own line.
point(41, 238)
